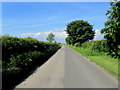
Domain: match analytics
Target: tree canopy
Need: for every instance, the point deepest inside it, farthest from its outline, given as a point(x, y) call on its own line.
point(79, 31)
point(50, 37)
point(112, 29)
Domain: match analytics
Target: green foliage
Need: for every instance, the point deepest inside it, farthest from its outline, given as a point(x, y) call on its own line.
point(21, 55)
point(77, 44)
point(20, 48)
point(112, 29)
point(50, 37)
point(22, 61)
point(14, 46)
point(96, 46)
point(79, 31)
point(69, 40)
point(93, 48)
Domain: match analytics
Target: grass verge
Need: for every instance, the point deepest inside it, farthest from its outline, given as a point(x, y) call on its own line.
point(100, 58)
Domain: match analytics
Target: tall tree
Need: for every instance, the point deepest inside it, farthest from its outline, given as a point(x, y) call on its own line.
point(79, 31)
point(112, 29)
point(50, 37)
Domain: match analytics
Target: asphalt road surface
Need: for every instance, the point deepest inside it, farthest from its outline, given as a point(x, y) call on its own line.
point(68, 69)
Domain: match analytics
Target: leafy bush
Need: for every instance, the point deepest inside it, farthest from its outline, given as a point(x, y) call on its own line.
point(15, 46)
point(77, 44)
point(95, 46)
point(22, 62)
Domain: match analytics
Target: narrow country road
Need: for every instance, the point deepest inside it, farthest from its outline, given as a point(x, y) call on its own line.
point(68, 69)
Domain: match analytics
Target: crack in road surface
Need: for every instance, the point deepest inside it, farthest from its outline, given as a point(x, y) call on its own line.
point(68, 69)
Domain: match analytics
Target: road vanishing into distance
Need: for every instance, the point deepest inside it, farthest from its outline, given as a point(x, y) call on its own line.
point(68, 69)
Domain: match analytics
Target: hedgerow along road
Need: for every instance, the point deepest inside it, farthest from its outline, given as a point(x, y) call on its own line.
point(68, 69)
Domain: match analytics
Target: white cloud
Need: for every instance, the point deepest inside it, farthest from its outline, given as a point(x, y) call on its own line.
point(27, 34)
point(98, 35)
point(39, 34)
point(59, 36)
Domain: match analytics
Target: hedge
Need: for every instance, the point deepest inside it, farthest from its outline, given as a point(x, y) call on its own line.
point(21, 55)
point(96, 46)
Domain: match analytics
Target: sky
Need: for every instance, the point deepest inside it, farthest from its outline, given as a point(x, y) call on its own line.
point(38, 19)
point(57, 0)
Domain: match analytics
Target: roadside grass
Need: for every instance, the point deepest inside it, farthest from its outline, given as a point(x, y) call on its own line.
point(100, 58)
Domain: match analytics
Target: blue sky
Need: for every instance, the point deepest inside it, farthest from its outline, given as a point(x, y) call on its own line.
point(37, 19)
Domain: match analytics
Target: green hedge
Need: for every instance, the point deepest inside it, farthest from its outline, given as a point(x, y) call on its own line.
point(21, 55)
point(22, 62)
point(95, 46)
point(15, 46)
